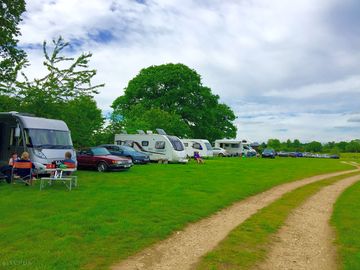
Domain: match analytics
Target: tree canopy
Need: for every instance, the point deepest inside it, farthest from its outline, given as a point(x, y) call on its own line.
point(12, 59)
point(172, 97)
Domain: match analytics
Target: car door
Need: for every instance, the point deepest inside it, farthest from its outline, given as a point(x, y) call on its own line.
point(84, 158)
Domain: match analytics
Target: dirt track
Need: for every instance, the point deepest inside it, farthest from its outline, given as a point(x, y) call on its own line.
point(306, 240)
point(183, 249)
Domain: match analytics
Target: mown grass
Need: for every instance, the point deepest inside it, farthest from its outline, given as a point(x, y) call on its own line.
point(346, 220)
point(350, 156)
point(113, 215)
point(248, 244)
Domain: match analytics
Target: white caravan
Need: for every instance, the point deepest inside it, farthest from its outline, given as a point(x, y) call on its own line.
point(202, 146)
point(236, 147)
point(158, 146)
point(46, 140)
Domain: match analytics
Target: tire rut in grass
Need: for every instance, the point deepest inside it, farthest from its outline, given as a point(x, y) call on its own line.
point(306, 239)
point(183, 249)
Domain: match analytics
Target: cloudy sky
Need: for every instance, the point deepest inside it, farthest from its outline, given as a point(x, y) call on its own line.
point(289, 69)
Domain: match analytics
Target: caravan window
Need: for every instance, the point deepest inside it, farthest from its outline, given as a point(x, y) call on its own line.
point(197, 146)
point(235, 145)
point(208, 146)
point(176, 143)
point(160, 145)
point(144, 143)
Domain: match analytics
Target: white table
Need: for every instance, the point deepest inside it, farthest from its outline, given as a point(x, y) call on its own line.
point(57, 174)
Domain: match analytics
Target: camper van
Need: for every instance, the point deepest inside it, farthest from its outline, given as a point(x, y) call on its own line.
point(202, 146)
point(159, 146)
point(236, 147)
point(46, 140)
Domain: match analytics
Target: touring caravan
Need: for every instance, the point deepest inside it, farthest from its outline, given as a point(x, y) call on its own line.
point(46, 140)
point(236, 147)
point(202, 146)
point(159, 146)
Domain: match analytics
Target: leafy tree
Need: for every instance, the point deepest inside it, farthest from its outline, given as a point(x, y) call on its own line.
point(314, 147)
point(12, 59)
point(65, 93)
point(177, 90)
point(274, 143)
point(353, 147)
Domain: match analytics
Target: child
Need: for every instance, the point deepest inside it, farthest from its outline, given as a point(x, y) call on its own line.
point(198, 158)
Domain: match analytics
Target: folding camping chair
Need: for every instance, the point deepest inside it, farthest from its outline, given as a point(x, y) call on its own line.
point(26, 168)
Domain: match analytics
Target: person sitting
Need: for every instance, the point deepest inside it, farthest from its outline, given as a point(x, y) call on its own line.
point(68, 158)
point(25, 173)
point(6, 170)
point(198, 158)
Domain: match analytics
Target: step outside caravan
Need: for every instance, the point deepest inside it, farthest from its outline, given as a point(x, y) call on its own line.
point(46, 140)
point(159, 146)
point(198, 145)
point(236, 147)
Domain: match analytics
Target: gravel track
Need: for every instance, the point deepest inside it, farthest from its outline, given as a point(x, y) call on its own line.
point(183, 249)
point(306, 239)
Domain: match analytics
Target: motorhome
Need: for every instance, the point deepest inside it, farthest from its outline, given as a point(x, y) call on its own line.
point(236, 147)
point(46, 140)
point(159, 146)
point(202, 146)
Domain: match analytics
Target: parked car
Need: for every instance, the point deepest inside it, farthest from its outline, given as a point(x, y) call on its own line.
point(283, 154)
point(127, 151)
point(220, 152)
point(268, 153)
point(101, 159)
point(335, 156)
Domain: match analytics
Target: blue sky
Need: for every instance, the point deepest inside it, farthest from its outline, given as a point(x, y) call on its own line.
point(289, 69)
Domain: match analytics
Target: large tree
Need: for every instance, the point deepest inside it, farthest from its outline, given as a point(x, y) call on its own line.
point(12, 59)
point(175, 90)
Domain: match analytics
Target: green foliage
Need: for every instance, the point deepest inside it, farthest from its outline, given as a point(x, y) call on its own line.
point(274, 143)
point(12, 59)
point(346, 220)
point(314, 147)
point(114, 215)
point(65, 93)
point(170, 90)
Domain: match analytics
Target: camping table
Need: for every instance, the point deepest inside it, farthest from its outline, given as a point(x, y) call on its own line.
point(57, 174)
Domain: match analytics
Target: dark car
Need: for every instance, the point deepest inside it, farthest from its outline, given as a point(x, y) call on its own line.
point(101, 159)
point(268, 153)
point(127, 151)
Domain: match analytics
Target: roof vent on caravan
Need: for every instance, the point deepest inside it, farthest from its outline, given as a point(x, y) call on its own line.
point(139, 131)
point(149, 132)
point(161, 131)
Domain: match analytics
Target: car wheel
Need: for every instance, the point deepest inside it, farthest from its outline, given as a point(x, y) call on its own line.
point(221, 155)
point(102, 167)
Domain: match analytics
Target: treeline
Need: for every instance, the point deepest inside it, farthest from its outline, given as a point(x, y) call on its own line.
point(314, 146)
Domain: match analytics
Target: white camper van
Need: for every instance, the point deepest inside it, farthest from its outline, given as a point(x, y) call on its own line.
point(159, 146)
point(46, 140)
point(233, 147)
point(236, 147)
point(202, 146)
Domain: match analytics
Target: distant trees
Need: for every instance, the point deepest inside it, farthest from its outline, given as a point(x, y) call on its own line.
point(314, 146)
point(172, 97)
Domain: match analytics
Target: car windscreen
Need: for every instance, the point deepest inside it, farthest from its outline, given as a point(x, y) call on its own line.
point(127, 148)
point(176, 143)
point(48, 139)
point(100, 151)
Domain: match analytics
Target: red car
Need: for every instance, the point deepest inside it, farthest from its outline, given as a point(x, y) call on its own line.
point(101, 159)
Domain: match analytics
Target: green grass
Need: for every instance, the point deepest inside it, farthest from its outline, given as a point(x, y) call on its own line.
point(248, 244)
point(113, 215)
point(346, 220)
point(350, 156)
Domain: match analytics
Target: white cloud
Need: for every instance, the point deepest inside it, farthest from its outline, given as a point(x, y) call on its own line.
point(271, 55)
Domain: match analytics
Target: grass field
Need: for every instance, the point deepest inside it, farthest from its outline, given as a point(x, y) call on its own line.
point(248, 244)
point(346, 220)
point(113, 215)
